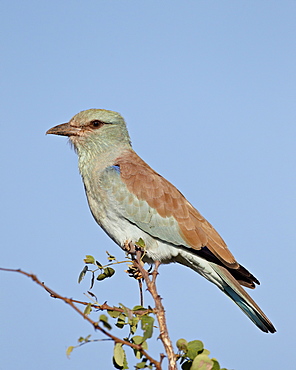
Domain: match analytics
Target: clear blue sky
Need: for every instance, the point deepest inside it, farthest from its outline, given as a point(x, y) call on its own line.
point(208, 91)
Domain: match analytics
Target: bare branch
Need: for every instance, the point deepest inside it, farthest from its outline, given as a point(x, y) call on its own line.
point(160, 311)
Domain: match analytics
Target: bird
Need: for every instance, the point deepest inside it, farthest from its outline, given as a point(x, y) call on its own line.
point(130, 201)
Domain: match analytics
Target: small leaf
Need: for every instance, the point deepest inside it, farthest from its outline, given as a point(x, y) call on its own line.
point(109, 271)
point(121, 321)
point(82, 274)
point(69, 350)
point(141, 365)
point(89, 259)
point(100, 266)
point(182, 344)
point(133, 324)
point(80, 339)
point(138, 354)
point(87, 309)
point(125, 364)
point(92, 280)
point(186, 365)
point(133, 329)
point(86, 339)
point(137, 339)
point(139, 308)
point(104, 320)
point(118, 354)
point(216, 365)
point(140, 243)
point(135, 320)
point(193, 348)
point(92, 295)
point(101, 277)
point(147, 326)
point(114, 313)
point(110, 257)
point(202, 362)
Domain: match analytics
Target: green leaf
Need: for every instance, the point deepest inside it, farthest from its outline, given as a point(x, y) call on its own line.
point(92, 280)
point(216, 365)
point(82, 274)
point(134, 324)
point(100, 266)
point(114, 313)
point(104, 320)
point(86, 339)
point(80, 339)
point(125, 364)
point(69, 350)
point(140, 243)
point(202, 362)
point(138, 354)
point(141, 365)
point(193, 348)
point(186, 365)
point(139, 308)
point(101, 277)
point(182, 344)
point(118, 354)
point(110, 257)
point(123, 307)
point(109, 271)
point(135, 320)
point(87, 309)
point(121, 321)
point(137, 339)
point(147, 326)
point(89, 259)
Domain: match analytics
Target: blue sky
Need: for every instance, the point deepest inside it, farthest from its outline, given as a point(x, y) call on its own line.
point(208, 92)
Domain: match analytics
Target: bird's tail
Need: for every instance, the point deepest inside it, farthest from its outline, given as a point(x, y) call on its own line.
point(221, 277)
point(235, 292)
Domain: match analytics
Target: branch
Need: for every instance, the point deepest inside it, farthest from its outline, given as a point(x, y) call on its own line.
point(95, 324)
point(160, 311)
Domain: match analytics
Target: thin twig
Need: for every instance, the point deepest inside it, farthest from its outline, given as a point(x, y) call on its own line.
point(141, 293)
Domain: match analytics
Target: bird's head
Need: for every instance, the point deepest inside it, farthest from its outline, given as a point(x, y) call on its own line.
point(94, 130)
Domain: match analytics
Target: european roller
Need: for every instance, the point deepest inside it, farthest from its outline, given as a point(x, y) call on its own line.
point(129, 200)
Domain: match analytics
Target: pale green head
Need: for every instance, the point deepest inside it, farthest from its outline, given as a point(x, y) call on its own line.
point(95, 130)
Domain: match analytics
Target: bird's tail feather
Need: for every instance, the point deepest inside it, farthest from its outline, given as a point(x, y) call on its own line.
point(235, 292)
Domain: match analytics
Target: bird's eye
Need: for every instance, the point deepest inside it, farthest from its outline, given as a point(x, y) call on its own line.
point(96, 123)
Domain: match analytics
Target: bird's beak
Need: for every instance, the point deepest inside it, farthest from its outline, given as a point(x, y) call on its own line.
point(65, 129)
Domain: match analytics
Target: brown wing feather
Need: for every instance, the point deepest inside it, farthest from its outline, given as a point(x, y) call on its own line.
point(160, 194)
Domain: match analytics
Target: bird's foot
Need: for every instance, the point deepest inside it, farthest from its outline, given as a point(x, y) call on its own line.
point(136, 253)
point(130, 247)
point(134, 249)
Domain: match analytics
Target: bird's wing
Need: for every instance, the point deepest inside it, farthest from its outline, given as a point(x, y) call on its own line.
point(137, 211)
point(157, 207)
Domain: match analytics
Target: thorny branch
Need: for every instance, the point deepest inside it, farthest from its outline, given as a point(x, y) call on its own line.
point(159, 309)
point(141, 274)
point(95, 324)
